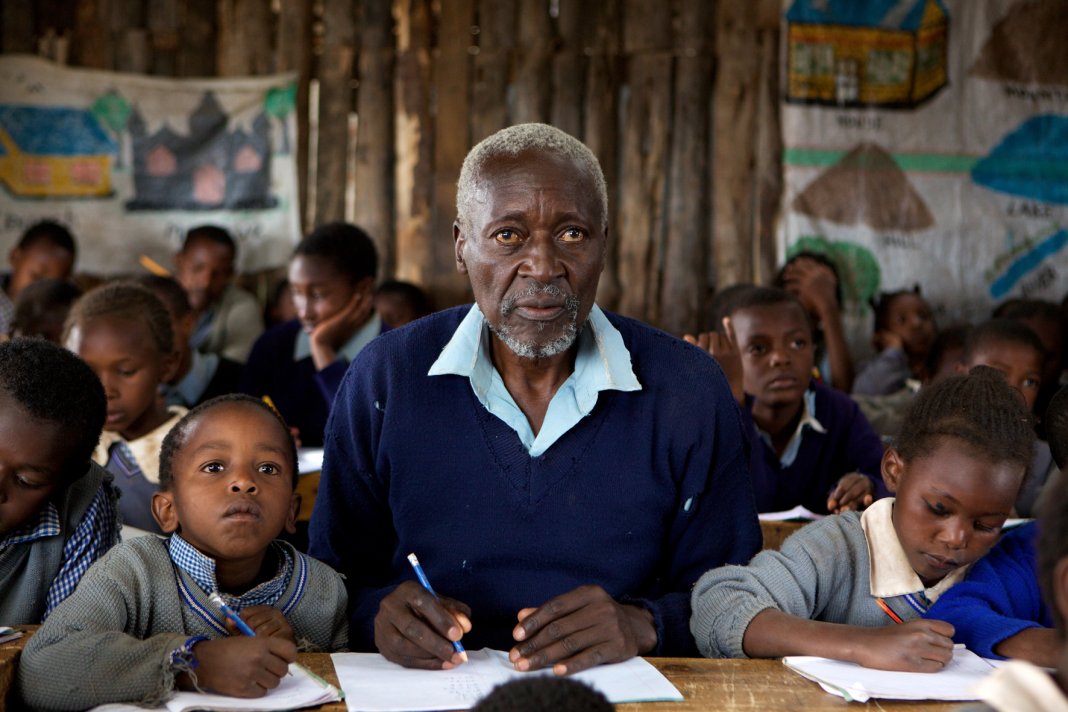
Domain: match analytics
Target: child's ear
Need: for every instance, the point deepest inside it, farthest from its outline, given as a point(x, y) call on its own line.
point(171, 362)
point(892, 468)
point(294, 510)
point(164, 512)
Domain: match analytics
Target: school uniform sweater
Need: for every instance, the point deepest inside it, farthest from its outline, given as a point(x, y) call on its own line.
point(111, 640)
point(643, 495)
point(1000, 598)
point(824, 572)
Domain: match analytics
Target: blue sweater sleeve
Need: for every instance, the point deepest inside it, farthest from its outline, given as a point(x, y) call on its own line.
point(999, 598)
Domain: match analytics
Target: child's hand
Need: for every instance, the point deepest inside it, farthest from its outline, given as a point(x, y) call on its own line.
point(814, 284)
point(266, 621)
point(853, 491)
point(723, 348)
point(243, 666)
point(331, 334)
point(916, 646)
point(885, 339)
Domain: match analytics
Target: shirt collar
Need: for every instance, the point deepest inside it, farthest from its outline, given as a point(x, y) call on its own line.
point(202, 369)
point(45, 524)
point(201, 568)
point(145, 449)
point(808, 419)
point(370, 329)
point(890, 572)
point(1023, 687)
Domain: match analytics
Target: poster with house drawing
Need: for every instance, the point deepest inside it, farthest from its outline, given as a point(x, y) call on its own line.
point(926, 141)
point(130, 162)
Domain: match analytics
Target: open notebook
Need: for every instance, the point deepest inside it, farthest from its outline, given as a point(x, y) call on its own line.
point(300, 688)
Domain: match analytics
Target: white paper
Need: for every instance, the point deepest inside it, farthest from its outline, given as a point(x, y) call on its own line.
point(373, 684)
point(309, 460)
point(859, 684)
point(798, 512)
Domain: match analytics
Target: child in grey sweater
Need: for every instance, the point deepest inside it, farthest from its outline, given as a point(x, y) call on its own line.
point(142, 622)
point(836, 584)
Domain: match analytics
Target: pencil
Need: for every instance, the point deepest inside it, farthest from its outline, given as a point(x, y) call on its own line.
point(888, 611)
point(154, 267)
point(421, 575)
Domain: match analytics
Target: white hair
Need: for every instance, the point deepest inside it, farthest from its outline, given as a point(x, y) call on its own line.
point(519, 139)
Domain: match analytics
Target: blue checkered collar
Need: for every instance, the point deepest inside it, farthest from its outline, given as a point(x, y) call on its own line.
point(45, 524)
point(201, 569)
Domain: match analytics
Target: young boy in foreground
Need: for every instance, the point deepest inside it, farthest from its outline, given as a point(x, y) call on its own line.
point(142, 622)
point(850, 587)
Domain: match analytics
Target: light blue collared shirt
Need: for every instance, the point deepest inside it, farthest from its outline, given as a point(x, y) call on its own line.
point(355, 344)
point(188, 390)
point(808, 419)
point(602, 363)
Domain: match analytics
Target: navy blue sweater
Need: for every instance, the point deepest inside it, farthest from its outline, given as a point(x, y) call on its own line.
point(641, 497)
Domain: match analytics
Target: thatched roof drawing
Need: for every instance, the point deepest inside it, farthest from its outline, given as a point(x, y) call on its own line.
point(865, 187)
point(1027, 45)
point(1031, 161)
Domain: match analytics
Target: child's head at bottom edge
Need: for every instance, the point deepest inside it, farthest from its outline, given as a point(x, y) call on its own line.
point(227, 471)
point(956, 469)
point(52, 410)
point(544, 694)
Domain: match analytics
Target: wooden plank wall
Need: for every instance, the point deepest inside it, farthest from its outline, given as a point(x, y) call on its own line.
point(677, 98)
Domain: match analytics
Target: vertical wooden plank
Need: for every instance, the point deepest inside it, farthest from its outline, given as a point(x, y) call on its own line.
point(374, 167)
point(647, 39)
point(17, 29)
point(533, 62)
point(492, 64)
point(685, 278)
point(163, 22)
point(197, 27)
point(601, 112)
point(244, 46)
point(568, 68)
point(734, 120)
point(294, 54)
point(768, 146)
point(90, 44)
point(126, 23)
point(451, 75)
point(335, 103)
point(413, 142)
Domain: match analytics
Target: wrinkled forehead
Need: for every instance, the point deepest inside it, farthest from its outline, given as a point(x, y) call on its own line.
point(537, 170)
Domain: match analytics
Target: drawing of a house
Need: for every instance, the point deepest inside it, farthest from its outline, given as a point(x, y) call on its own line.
point(54, 152)
point(210, 168)
point(886, 53)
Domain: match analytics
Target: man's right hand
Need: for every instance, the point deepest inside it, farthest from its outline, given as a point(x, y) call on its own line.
point(243, 667)
point(416, 630)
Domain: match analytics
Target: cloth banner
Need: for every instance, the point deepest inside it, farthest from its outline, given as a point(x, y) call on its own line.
point(926, 142)
point(130, 162)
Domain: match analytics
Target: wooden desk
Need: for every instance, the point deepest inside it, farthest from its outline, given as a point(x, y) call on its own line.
point(775, 533)
point(9, 660)
point(710, 685)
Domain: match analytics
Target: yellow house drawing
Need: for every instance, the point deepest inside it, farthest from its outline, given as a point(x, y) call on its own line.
point(889, 53)
point(54, 152)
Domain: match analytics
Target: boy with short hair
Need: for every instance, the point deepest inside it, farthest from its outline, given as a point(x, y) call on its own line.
point(45, 250)
point(227, 475)
point(58, 511)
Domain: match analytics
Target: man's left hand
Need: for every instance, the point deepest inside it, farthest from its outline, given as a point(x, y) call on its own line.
point(580, 629)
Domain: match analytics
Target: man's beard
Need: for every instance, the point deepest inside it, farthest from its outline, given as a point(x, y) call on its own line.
point(537, 349)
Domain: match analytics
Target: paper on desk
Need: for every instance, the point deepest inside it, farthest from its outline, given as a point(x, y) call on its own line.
point(798, 512)
point(309, 459)
point(297, 689)
point(373, 684)
point(859, 684)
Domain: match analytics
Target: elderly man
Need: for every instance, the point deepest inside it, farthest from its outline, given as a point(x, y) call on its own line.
point(564, 475)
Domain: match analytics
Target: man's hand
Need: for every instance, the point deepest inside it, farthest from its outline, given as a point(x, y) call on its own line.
point(265, 621)
point(853, 491)
point(243, 666)
point(416, 630)
point(331, 334)
point(724, 348)
point(580, 629)
point(916, 646)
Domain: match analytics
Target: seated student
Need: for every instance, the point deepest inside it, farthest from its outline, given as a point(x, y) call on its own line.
point(1015, 350)
point(228, 319)
point(142, 621)
point(811, 445)
point(57, 508)
point(198, 377)
point(279, 307)
point(401, 302)
point(543, 694)
point(42, 307)
point(813, 279)
point(45, 250)
point(838, 584)
point(1020, 686)
point(299, 364)
point(1043, 318)
point(123, 332)
point(904, 332)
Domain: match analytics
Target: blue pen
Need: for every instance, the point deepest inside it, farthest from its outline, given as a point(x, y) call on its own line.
point(232, 615)
point(421, 575)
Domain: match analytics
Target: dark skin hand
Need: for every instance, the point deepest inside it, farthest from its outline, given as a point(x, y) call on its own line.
point(416, 630)
point(853, 491)
point(724, 348)
point(265, 621)
point(579, 630)
point(1035, 645)
point(241, 666)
